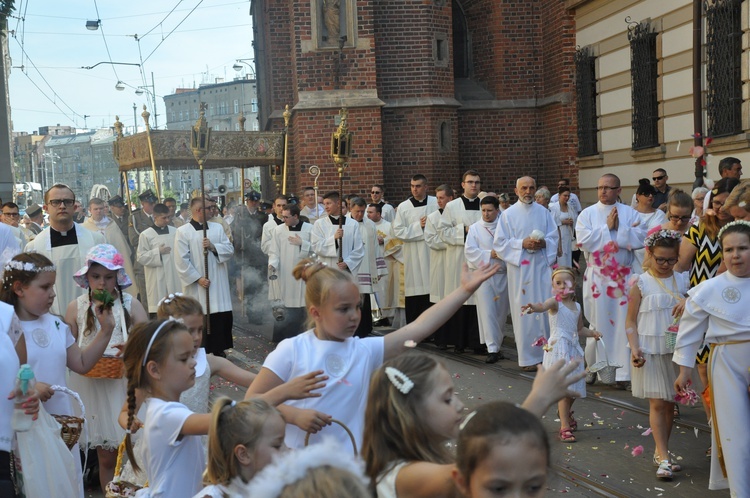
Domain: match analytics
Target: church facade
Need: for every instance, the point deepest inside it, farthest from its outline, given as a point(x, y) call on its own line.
point(432, 86)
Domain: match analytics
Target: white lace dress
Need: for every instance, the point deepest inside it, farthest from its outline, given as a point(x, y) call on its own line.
point(103, 398)
point(563, 339)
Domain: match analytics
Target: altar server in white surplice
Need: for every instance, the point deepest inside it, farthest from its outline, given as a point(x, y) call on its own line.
point(65, 243)
point(458, 216)
point(279, 203)
point(389, 290)
point(290, 243)
point(598, 225)
point(526, 239)
point(311, 209)
point(438, 249)
point(189, 262)
point(492, 296)
point(372, 268)
point(326, 237)
point(411, 217)
point(156, 253)
point(100, 222)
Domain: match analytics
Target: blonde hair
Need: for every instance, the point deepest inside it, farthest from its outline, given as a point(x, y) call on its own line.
point(136, 362)
point(564, 269)
point(394, 422)
point(319, 280)
point(178, 306)
point(327, 481)
point(740, 196)
point(233, 424)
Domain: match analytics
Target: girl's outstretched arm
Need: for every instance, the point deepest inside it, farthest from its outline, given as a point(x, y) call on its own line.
point(439, 313)
point(549, 304)
point(229, 371)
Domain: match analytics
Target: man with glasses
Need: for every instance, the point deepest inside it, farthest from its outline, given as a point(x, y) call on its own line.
point(11, 217)
point(597, 226)
point(458, 215)
point(662, 189)
point(387, 212)
point(411, 217)
point(65, 243)
point(312, 210)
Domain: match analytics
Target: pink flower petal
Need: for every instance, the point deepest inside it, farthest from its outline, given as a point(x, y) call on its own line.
point(637, 451)
point(525, 262)
point(647, 432)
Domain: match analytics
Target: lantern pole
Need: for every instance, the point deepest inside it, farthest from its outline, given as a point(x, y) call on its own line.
point(287, 116)
point(199, 141)
point(145, 115)
point(341, 142)
point(125, 191)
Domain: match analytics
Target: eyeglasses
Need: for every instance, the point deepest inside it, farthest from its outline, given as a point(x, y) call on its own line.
point(657, 178)
point(717, 204)
point(648, 195)
point(605, 188)
point(12, 215)
point(57, 202)
point(683, 219)
point(377, 191)
point(661, 261)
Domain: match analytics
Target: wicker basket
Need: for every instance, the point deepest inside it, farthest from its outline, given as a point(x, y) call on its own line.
point(604, 369)
point(117, 488)
point(108, 367)
point(670, 340)
point(71, 425)
point(343, 426)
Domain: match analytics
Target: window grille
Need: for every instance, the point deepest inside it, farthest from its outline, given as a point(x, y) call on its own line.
point(644, 72)
point(724, 67)
point(586, 102)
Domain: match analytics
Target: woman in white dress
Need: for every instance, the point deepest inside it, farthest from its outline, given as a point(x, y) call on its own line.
point(650, 218)
point(565, 216)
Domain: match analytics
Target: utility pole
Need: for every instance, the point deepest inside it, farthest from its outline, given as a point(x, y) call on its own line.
point(6, 155)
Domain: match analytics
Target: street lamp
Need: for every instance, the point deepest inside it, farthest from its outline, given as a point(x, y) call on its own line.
point(238, 66)
point(120, 86)
point(93, 25)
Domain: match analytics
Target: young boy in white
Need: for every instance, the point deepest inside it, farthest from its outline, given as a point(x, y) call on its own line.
point(156, 254)
point(492, 296)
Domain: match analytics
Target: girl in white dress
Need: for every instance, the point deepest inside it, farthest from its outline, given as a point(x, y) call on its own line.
point(244, 437)
point(28, 285)
point(652, 308)
point(413, 411)
point(104, 270)
point(566, 326)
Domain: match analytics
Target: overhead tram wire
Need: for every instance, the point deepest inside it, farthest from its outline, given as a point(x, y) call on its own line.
point(173, 30)
point(165, 18)
point(106, 45)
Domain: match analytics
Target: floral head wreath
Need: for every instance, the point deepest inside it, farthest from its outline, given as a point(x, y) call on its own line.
point(661, 234)
point(30, 267)
point(292, 466)
point(733, 224)
point(399, 380)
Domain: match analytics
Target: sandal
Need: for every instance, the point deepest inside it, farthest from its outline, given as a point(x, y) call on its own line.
point(573, 422)
point(566, 436)
point(676, 413)
point(664, 471)
point(673, 466)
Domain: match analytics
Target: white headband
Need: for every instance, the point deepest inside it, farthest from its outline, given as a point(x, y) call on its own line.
point(153, 337)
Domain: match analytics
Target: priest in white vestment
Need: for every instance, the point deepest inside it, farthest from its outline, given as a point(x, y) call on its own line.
point(411, 218)
point(493, 303)
point(372, 268)
point(156, 253)
point(458, 216)
point(290, 243)
point(189, 262)
point(65, 243)
point(597, 226)
point(326, 237)
point(389, 290)
point(526, 239)
point(110, 230)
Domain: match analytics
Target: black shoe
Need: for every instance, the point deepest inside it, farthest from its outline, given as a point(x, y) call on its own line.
point(441, 347)
point(480, 350)
point(493, 357)
point(458, 350)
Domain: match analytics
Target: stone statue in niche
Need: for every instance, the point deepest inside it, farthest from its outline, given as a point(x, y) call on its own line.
point(331, 10)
